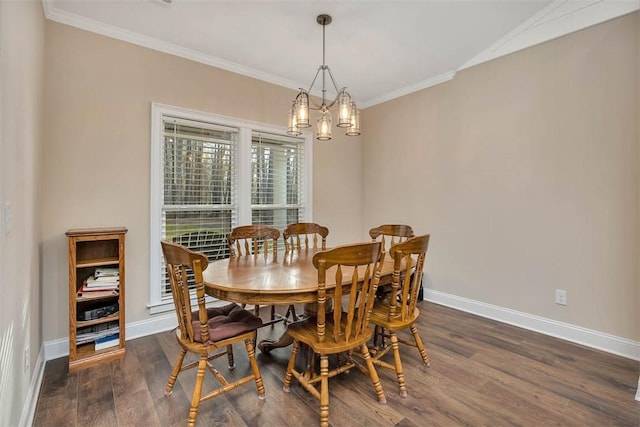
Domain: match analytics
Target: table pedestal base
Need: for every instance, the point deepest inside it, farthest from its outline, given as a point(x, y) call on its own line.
point(285, 340)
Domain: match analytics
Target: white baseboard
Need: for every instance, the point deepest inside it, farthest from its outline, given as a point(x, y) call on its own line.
point(31, 400)
point(587, 337)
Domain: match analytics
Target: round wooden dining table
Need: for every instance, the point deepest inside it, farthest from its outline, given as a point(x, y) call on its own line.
point(268, 279)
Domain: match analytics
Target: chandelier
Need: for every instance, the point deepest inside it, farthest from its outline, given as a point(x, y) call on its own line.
point(348, 113)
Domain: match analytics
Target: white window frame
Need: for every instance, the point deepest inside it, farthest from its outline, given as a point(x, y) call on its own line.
point(157, 304)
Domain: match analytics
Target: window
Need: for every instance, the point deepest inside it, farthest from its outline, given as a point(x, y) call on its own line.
point(210, 174)
point(277, 193)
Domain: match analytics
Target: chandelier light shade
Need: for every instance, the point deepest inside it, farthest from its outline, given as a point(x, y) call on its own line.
point(292, 128)
point(324, 126)
point(354, 121)
point(302, 109)
point(347, 111)
point(344, 109)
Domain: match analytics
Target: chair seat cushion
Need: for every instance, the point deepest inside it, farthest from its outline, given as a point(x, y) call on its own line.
point(226, 322)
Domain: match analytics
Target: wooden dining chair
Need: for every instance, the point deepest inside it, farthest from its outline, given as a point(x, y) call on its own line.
point(253, 240)
point(248, 240)
point(338, 332)
point(400, 311)
point(391, 234)
point(203, 332)
point(303, 236)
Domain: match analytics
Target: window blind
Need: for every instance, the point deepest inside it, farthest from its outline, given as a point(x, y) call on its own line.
point(277, 180)
point(198, 197)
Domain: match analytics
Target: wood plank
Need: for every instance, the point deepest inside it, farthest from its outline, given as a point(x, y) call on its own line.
point(58, 402)
point(96, 405)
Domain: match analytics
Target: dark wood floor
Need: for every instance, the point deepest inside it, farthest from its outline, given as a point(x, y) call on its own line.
point(483, 373)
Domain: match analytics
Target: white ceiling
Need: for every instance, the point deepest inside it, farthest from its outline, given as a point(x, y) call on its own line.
point(378, 49)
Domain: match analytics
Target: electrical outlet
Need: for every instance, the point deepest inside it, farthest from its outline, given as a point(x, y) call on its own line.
point(561, 297)
point(27, 360)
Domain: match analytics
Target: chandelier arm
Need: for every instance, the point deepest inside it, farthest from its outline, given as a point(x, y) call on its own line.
point(314, 79)
point(316, 106)
point(333, 80)
point(335, 86)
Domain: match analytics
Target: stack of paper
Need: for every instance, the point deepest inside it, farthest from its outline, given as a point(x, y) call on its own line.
point(103, 279)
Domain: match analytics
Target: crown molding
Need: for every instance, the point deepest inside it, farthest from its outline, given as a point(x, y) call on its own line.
point(444, 77)
point(558, 19)
point(77, 21)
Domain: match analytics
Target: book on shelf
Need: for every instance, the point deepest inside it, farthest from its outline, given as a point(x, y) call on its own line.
point(103, 287)
point(106, 272)
point(97, 293)
point(91, 333)
point(108, 341)
point(106, 279)
point(102, 281)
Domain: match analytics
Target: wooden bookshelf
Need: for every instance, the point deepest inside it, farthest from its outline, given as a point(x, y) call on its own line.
point(90, 249)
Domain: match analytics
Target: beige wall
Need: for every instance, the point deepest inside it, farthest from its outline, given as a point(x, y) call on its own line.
point(525, 172)
point(21, 90)
point(96, 159)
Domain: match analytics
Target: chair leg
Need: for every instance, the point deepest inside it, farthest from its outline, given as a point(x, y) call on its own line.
point(254, 367)
point(379, 335)
point(174, 373)
point(373, 374)
point(421, 349)
point(324, 390)
point(291, 311)
point(377, 338)
point(232, 363)
point(402, 386)
point(311, 363)
point(273, 312)
point(292, 361)
point(197, 391)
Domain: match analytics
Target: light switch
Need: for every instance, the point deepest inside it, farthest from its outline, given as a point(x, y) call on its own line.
point(7, 217)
